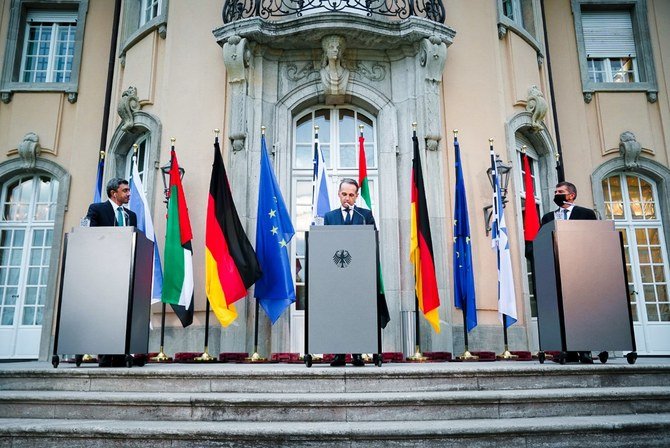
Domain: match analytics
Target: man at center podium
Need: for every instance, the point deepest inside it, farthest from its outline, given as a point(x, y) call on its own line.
point(348, 214)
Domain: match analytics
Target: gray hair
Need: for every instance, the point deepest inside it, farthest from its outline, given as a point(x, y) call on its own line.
point(114, 184)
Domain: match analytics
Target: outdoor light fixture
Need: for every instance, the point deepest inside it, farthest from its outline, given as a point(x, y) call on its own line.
point(503, 174)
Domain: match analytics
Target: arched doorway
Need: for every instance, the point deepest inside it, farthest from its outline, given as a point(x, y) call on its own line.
point(26, 236)
point(632, 201)
point(338, 139)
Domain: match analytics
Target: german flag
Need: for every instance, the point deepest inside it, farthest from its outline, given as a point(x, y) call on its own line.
point(421, 246)
point(230, 261)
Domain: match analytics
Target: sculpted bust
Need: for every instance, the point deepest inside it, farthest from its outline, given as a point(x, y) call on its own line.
point(334, 75)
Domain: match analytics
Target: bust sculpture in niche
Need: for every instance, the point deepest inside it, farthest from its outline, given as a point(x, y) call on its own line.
point(334, 74)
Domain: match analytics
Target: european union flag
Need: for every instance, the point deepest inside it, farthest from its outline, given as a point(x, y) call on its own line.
point(464, 281)
point(274, 290)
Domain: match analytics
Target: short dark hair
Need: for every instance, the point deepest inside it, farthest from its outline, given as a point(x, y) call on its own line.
point(570, 186)
point(350, 181)
point(114, 184)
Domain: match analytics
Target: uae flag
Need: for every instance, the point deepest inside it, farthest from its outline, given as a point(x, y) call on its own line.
point(531, 224)
point(178, 266)
point(231, 265)
point(421, 246)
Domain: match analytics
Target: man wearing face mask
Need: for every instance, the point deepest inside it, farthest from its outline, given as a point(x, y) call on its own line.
point(564, 197)
point(348, 214)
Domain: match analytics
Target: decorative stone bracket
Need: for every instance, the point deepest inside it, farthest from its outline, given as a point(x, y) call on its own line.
point(236, 57)
point(537, 106)
point(128, 106)
point(29, 150)
point(630, 149)
point(432, 57)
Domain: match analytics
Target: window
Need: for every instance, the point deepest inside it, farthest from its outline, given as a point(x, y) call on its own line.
point(150, 9)
point(521, 13)
point(48, 48)
point(614, 47)
point(45, 53)
point(610, 46)
point(141, 159)
point(631, 201)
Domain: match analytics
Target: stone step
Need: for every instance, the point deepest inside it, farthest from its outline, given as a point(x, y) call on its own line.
point(334, 407)
point(612, 431)
point(287, 378)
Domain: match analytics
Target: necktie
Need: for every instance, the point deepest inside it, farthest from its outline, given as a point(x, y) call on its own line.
point(348, 218)
point(565, 214)
point(119, 216)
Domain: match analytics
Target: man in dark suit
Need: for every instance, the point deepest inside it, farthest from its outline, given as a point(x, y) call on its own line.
point(564, 197)
point(348, 214)
point(112, 213)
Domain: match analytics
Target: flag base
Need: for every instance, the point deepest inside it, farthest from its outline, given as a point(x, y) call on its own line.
point(205, 357)
point(507, 356)
point(255, 358)
point(161, 357)
point(89, 358)
point(467, 356)
point(417, 356)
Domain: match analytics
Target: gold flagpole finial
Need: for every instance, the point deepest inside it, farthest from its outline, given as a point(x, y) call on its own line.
point(135, 148)
point(491, 141)
point(414, 126)
point(172, 140)
point(102, 155)
point(263, 130)
point(216, 131)
point(361, 127)
point(558, 157)
point(523, 149)
point(455, 131)
point(316, 127)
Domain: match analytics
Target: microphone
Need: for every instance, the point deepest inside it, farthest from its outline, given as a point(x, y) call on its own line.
point(126, 217)
point(361, 215)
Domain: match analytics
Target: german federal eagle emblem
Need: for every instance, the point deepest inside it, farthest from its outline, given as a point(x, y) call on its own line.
point(342, 258)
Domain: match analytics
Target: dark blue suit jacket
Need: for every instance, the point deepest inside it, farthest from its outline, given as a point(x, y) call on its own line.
point(101, 214)
point(361, 216)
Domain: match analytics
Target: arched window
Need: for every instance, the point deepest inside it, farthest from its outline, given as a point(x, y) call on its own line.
point(26, 236)
point(632, 202)
point(141, 143)
point(338, 139)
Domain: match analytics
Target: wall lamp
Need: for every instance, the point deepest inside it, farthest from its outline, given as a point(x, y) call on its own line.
point(503, 173)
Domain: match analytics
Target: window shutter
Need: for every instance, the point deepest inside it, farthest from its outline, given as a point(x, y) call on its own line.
point(608, 34)
point(43, 16)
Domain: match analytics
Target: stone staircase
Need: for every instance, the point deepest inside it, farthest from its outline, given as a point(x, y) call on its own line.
point(515, 404)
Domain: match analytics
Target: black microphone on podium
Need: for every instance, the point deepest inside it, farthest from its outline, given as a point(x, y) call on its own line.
point(361, 215)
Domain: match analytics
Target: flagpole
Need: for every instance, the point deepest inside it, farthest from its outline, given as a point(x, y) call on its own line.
point(205, 356)
point(255, 357)
point(418, 356)
point(161, 356)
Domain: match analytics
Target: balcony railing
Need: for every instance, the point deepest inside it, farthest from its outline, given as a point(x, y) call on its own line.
point(241, 9)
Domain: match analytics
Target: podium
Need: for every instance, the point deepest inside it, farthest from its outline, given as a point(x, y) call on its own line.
point(105, 294)
point(581, 289)
point(341, 314)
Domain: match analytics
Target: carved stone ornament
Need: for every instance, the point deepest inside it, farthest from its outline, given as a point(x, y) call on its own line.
point(236, 56)
point(588, 97)
point(629, 149)
point(652, 97)
point(537, 106)
point(295, 74)
point(334, 73)
point(376, 72)
point(6, 97)
point(433, 142)
point(432, 56)
point(237, 140)
point(29, 150)
point(502, 31)
point(128, 105)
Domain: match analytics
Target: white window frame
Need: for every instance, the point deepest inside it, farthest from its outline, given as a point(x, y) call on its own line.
point(149, 10)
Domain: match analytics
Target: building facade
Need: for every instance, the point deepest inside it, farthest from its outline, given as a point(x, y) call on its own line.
point(581, 84)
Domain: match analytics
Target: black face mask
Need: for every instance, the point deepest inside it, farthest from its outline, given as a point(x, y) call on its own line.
point(559, 199)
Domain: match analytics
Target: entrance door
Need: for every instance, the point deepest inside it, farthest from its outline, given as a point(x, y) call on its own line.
point(338, 139)
point(631, 201)
point(26, 235)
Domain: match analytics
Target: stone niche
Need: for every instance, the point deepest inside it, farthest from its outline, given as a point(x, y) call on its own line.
point(392, 69)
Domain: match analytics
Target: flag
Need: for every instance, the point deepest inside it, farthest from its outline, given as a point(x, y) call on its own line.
point(139, 204)
point(363, 183)
point(230, 261)
point(178, 278)
point(464, 280)
point(421, 246)
point(500, 241)
point(363, 171)
point(97, 190)
point(531, 224)
point(274, 290)
point(320, 196)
